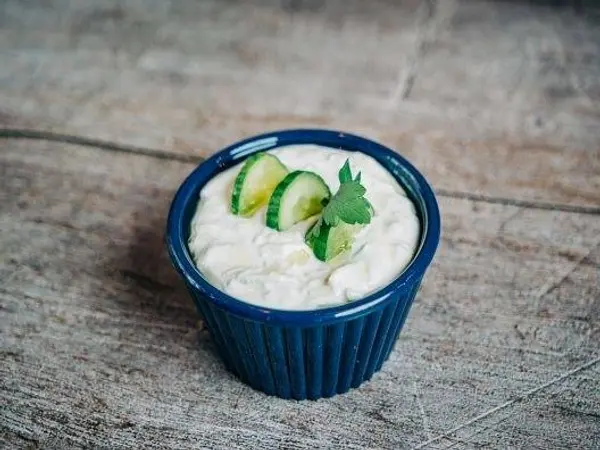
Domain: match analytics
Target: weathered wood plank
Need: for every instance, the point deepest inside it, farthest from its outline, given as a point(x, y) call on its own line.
point(502, 99)
point(101, 347)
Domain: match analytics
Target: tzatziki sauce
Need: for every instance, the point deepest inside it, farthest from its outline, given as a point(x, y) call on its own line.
point(276, 269)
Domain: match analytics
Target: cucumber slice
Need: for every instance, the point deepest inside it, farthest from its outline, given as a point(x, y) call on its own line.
point(298, 196)
point(255, 183)
point(331, 240)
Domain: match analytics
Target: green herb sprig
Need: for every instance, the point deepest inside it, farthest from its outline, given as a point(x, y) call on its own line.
point(347, 205)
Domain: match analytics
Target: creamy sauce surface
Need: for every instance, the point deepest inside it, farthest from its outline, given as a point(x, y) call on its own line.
point(258, 265)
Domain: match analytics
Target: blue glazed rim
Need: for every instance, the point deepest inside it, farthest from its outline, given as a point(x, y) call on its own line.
point(184, 205)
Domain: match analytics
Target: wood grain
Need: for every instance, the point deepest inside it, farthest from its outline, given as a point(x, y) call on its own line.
point(102, 348)
point(497, 102)
point(498, 99)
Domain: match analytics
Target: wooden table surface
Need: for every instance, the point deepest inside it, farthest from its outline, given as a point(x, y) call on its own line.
point(106, 106)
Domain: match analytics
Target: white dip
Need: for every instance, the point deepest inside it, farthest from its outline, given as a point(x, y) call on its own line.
point(258, 265)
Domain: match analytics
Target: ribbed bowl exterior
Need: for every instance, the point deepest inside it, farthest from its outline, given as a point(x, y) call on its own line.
point(304, 354)
point(307, 362)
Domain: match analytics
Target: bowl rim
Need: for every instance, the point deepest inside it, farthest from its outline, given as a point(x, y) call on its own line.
point(232, 154)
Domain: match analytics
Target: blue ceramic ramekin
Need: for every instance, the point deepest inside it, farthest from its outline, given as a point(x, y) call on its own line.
point(304, 354)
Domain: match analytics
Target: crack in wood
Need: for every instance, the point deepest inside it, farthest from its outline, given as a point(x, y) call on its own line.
point(575, 412)
point(406, 78)
point(424, 415)
point(15, 133)
point(554, 284)
point(526, 395)
point(145, 281)
point(468, 439)
point(530, 204)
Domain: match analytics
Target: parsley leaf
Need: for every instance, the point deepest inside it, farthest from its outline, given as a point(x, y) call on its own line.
point(345, 173)
point(348, 204)
point(328, 236)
